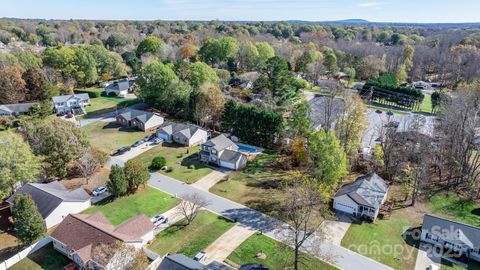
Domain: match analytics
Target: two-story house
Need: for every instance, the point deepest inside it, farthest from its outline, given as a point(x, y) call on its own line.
point(75, 104)
point(223, 152)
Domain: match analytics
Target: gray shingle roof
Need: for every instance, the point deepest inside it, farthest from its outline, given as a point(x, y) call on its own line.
point(231, 156)
point(221, 143)
point(185, 130)
point(49, 196)
point(452, 231)
point(319, 106)
point(64, 98)
point(120, 85)
point(142, 116)
point(179, 262)
point(16, 108)
point(368, 190)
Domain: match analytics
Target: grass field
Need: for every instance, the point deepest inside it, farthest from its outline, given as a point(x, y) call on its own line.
point(455, 207)
point(110, 136)
point(185, 165)
point(278, 256)
point(448, 266)
point(149, 201)
point(193, 238)
point(45, 258)
point(103, 104)
point(426, 105)
point(383, 240)
point(250, 186)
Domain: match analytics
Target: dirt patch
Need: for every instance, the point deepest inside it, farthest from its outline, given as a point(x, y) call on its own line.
point(8, 242)
point(100, 178)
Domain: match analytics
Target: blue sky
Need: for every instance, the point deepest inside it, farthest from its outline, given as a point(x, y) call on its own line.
point(440, 11)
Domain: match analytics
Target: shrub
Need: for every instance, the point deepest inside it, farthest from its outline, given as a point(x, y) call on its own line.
point(157, 163)
point(112, 94)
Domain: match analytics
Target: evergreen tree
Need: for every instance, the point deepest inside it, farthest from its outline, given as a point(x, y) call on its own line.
point(28, 222)
point(136, 174)
point(117, 183)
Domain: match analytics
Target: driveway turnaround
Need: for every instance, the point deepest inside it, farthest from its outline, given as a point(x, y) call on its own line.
point(227, 243)
point(211, 179)
point(257, 221)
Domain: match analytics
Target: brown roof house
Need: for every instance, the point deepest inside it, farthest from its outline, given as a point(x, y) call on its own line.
point(78, 235)
point(142, 120)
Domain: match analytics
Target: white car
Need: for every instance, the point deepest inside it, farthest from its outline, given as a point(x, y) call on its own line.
point(99, 190)
point(200, 256)
point(159, 219)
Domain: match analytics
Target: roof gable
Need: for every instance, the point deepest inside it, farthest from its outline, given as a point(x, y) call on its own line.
point(368, 190)
point(452, 231)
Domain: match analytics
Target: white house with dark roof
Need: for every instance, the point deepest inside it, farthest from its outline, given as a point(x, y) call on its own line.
point(462, 240)
point(15, 109)
point(182, 262)
point(184, 134)
point(120, 88)
point(223, 152)
point(75, 103)
point(363, 197)
point(142, 120)
point(54, 201)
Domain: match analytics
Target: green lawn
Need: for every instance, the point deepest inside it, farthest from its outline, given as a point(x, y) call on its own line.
point(193, 238)
point(110, 136)
point(454, 207)
point(184, 162)
point(149, 202)
point(383, 241)
point(249, 186)
point(278, 256)
point(45, 258)
point(103, 104)
point(426, 105)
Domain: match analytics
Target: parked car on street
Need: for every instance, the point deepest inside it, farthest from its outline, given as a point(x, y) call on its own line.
point(122, 150)
point(159, 219)
point(157, 141)
point(200, 256)
point(99, 190)
point(379, 111)
point(138, 143)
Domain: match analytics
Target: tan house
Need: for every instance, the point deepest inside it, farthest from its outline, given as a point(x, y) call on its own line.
point(142, 120)
point(78, 235)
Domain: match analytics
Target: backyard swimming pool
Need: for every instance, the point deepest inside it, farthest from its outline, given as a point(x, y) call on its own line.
point(246, 148)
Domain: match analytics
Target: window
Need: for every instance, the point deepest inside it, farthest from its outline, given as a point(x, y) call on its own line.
point(214, 151)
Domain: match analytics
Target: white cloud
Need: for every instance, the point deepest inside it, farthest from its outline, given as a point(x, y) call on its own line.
point(369, 4)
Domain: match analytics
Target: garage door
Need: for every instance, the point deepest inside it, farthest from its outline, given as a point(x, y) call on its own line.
point(227, 165)
point(343, 208)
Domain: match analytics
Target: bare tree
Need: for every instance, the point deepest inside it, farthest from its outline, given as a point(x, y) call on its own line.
point(118, 256)
point(191, 205)
point(304, 209)
point(87, 166)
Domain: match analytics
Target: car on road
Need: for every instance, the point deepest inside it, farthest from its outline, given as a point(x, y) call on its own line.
point(379, 111)
point(122, 150)
point(138, 143)
point(159, 219)
point(200, 256)
point(389, 113)
point(99, 190)
point(157, 141)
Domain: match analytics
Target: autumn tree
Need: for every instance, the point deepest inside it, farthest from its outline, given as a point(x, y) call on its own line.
point(351, 125)
point(12, 85)
point(119, 256)
point(18, 164)
point(28, 222)
point(37, 85)
point(209, 103)
point(150, 44)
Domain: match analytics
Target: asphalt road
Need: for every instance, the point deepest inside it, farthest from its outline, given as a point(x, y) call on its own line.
point(269, 226)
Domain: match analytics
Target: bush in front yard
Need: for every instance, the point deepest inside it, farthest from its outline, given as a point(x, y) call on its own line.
point(157, 163)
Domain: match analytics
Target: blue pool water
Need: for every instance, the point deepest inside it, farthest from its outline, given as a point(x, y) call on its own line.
point(246, 148)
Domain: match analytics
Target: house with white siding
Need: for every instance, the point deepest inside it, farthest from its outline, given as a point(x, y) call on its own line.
point(75, 103)
point(363, 197)
point(54, 201)
point(223, 152)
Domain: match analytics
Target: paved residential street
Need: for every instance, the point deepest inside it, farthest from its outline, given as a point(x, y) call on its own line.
point(342, 257)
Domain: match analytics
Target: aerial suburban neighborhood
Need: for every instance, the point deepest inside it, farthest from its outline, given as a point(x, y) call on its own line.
point(239, 135)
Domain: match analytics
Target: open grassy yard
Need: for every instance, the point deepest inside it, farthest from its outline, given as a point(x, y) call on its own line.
point(449, 266)
point(278, 256)
point(426, 105)
point(193, 238)
point(383, 240)
point(454, 207)
point(103, 104)
point(184, 162)
point(148, 201)
point(45, 258)
point(110, 136)
point(257, 186)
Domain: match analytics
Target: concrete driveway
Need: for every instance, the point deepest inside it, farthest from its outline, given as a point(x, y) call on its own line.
point(335, 230)
point(227, 243)
point(211, 179)
point(134, 152)
point(425, 257)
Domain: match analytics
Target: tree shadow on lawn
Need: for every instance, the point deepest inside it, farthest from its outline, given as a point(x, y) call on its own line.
point(412, 236)
point(113, 125)
point(476, 212)
point(269, 206)
point(192, 162)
